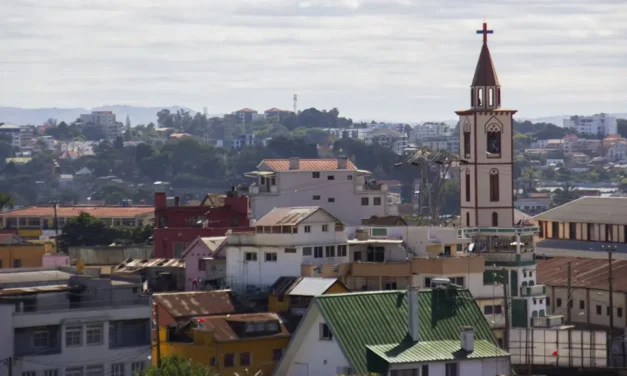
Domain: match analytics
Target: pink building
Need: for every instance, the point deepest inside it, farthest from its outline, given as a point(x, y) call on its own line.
point(204, 265)
point(55, 259)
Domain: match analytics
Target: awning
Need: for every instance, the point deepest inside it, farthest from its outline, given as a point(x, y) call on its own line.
point(254, 174)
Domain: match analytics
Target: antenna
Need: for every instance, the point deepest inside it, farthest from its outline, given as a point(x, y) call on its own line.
point(295, 103)
point(205, 111)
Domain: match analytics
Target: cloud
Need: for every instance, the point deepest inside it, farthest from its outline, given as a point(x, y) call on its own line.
point(386, 59)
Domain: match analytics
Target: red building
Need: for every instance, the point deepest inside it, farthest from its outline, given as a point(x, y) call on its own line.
point(177, 226)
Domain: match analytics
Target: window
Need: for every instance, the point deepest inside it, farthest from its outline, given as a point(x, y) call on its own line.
point(494, 141)
point(290, 250)
point(452, 369)
point(491, 97)
point(364, 201)
point(330, 177)
point(316, 198)
point(277, 354)
point(117, 369)
point(479, 97)
point(94, 370)
point(494, 185)
point(425, 370)
point(582, 304)
point(202, 265)
point(329, 251)
point(94, 334)
point(376, 201)
point(318, 252)
point(307, 229)
point(341, 251)
point(235, 221)
point(598, 310)
point(427, 282)
point(530, 273)
point(607, 309)
point(137, 367)
point(17, 263)
point(178, 249)
point(459, 281)
point(349, 177)
point(467, 184)
point(271, 257)
point(244, 359)
point(495, 219)
point(404, 372)
point(325, 333)
point(331, 199)
point(315, 175)
point(492, 310)
point(559, 302)
point(548, 301)
point(250, 256)
point(572, 231)
point(41, 339)
point(73, 336)
point(229, 360)
point(390, 286)
point(325, 228)
point(619, 312)
point(467, 218)
point(74, 371)
point(357, 256)
point(467, 144)
point(29, 373)
point(306, 251)
point(55, 372)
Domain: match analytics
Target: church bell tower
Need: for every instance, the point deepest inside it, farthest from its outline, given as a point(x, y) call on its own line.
point(486, 150)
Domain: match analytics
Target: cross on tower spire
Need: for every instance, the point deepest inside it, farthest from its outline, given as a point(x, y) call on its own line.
point(485, 32)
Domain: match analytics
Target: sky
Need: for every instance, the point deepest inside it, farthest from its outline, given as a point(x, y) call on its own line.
point(389, 60)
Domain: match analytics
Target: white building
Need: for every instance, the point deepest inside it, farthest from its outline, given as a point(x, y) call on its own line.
point(533, 205)
point(617, 152)
point(333, 184)
point(428, 130)
point(388, 138)
point(56, 323)
point(448, 143)
point(106, 121)
point(284, 239)
point(12, 131)
point(380, 333)
point(599, 124)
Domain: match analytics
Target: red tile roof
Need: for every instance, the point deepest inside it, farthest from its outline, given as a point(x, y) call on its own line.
point(328, 164)
point(274, 109)
point(74, 211)
point(246, 110)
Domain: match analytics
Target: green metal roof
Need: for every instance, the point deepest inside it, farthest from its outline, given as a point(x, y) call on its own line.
point(358, 320)
point(433, 351)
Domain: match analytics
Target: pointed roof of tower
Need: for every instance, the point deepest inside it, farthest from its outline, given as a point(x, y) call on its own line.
point(485, 74)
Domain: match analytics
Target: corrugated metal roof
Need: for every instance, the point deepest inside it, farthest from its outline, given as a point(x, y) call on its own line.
point(14, 276)
point(380, 318)
point(283, 285)
point(136, 265)
point(224, 331)
point(578, 248)
point(287, 216)
point(585, 272)
point(433, 351)
point(589, 209)
point(214, 242)
point(311, 286)
point(197, 303)
point(322, 164)
point(74, 211)
point(36, 290)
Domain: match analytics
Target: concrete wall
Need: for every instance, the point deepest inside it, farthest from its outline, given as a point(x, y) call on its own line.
point(23, 255)
point(590, 300)
point(101, 255)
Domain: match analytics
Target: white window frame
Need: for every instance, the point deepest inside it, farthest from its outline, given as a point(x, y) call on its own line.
point(29, 373)
point(307, 228)
point(92, 330)
point(138, 366)
point(74, 371)
point(117, 369)
point(325, 228)
point(53, 372)
point(253, 256)
point(270, 257)
point(94, 370)
point(46, 337)
point(328, 336)
point(74, 330)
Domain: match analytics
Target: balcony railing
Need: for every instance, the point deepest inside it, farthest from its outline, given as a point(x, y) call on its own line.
point(26, 308)
point(536, 290)
point(509, 258)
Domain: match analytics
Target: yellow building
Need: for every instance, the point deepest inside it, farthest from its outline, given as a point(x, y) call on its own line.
point(294, 294)
point(204, 326)
point(25, 255)
point(239, 344)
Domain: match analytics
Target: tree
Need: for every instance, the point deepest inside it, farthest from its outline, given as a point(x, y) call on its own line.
point(118, 143)
point(176, 365)
point(621, 127)
point(6, 201)
point(565, 194)
point(85, 230)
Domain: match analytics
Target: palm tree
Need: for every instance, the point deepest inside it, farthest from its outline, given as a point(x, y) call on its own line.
point(6, 201)
point(564, 195)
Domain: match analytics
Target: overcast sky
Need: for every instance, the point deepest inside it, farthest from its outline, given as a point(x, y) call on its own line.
point(396, 60)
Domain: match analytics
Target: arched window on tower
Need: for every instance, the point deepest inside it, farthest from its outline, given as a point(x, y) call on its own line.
point(494, 185)
point(494, 141)
point(491, 97)
point(472, 97)
point(468, 219)
point(495, 219)
point(479, 97)
point(467, 185)
point(466, 145)
point(498, 97)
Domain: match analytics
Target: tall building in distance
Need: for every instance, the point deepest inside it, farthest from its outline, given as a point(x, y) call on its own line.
point(599, 124)
point(105, 120)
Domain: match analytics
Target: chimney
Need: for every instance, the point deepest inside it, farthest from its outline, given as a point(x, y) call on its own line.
point(294, 163)
point(468, 339)
point(413, 312)
point(342, 163)
point(177, 201)
point(160, 200)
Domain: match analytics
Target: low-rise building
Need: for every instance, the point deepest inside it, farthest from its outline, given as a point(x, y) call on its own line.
point(247, 115)
point(11, 131)
point(532, 205)
point(294, 294)
point(23, 255)
point(597, 125)
point(157, 275)
point(105, 120)
point(429, 331)
point(388, 138)
point(204, 267)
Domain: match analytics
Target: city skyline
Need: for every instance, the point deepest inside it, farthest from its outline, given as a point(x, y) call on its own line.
point(382, 60)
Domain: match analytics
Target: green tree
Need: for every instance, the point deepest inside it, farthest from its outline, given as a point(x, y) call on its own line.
point(565, 194)
point(85, 230)
point(176, 365)
point(6, 201)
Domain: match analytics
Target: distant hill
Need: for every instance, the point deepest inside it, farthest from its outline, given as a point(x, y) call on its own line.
point(559, 120)
point(37, 116)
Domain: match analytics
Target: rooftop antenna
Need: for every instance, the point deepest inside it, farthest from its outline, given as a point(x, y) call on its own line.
point(205, 111)
point(295, 103)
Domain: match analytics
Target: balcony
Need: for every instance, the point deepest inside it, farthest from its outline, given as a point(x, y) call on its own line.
point(381, 269)
point(255, 189)
point(369, 187)
point(537, 290)
point(509, 259)
point(27, 307)
point(448, 265)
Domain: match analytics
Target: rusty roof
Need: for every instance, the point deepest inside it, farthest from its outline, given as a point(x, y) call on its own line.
point(585, 272)
point(321, 164)
point(283, 285)
point(223, 330)
point(135, 265)
point(485, 74)
point(246, 110)
point(274, 109)
point(197, 303)
point(290, 216)
point(74, 211)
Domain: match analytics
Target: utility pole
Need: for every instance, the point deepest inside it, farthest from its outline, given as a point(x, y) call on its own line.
point(156, 308)
point(569, 293)
point(610, 249)
point(506, 301)
point(56, 226)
